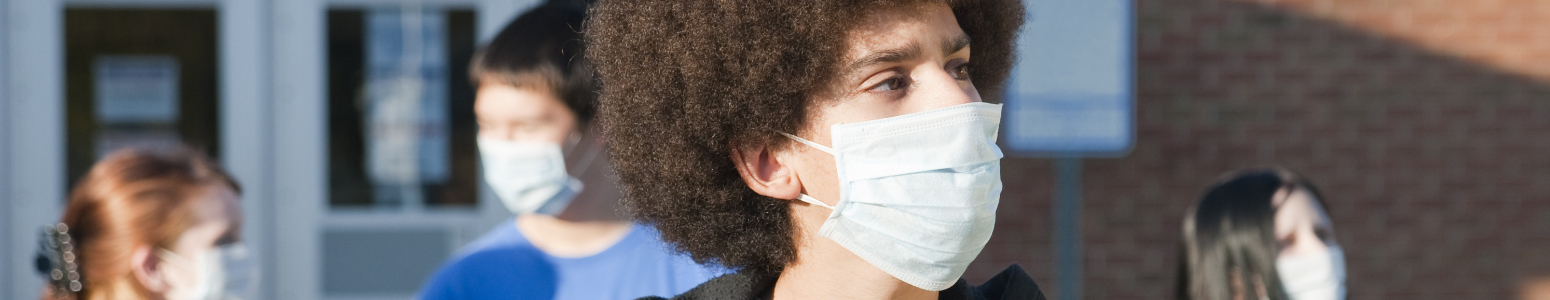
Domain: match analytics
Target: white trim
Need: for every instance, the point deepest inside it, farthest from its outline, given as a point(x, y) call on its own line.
point(300, 148)
point(140, 3)
point(35, 121)
point(6, 283)
point(396, 3)
point(214, 3)
point(245, 125)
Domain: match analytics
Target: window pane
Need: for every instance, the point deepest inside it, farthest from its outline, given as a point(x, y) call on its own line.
point(401, 127)
point(153, 84)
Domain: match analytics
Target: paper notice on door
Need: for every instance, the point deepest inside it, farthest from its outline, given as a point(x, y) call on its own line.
point(141, 89)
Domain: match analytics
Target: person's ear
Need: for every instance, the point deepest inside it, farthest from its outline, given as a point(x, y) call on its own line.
point(765, 173)
point(149, 269)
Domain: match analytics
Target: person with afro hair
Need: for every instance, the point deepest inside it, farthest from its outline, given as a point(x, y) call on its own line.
point(544, 160)
point(839, 149)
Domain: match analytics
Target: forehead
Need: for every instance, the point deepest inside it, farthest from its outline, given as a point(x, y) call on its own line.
point(900, 27)
point(505, 101)
point(217, 215)
point(1298, 203)
point(215, 203)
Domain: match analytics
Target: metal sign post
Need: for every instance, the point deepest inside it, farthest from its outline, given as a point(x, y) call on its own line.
point(1068, 227)
point(1071, 97)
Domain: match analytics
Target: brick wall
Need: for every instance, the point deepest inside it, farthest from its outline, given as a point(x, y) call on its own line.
point(1426, 123)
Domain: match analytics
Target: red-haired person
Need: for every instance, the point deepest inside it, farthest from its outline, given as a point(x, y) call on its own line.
point(145, 224)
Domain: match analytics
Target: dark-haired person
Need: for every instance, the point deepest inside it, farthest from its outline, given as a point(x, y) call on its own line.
point(546, 162)
point(824, 149)
point(1261, 234)
point(148, 224)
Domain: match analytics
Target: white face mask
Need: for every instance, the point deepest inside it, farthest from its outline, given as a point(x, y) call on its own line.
point(222, 273)
point(1314, 276)
point(918, 192)
point(528, 177)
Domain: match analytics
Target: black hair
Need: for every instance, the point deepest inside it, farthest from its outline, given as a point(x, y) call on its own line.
point(542, 49)
point(684, 81)
point(1228, 245)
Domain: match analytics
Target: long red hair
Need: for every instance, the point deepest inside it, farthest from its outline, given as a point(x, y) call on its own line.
point(134, 198)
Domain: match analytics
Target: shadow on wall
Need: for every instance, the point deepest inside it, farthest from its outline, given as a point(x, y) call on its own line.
point(1437, 168)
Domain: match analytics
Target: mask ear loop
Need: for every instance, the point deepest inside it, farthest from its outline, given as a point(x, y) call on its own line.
point(815, 145)
point(813, 201)
point(805, 197)
point(175, 258)
point(586, 159)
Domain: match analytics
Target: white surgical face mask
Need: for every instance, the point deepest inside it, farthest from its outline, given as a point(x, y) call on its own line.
point(1314, 276)
point(528, 177)
point(222, 273)
point(918, 192)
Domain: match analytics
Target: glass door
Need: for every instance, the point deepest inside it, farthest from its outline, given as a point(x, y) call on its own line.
point(153, 84)
point(403, 179)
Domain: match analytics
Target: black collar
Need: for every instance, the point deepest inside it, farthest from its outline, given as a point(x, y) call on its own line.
point(1010, 284)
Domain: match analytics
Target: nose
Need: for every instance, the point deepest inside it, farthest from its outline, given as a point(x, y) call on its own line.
point(939, 89)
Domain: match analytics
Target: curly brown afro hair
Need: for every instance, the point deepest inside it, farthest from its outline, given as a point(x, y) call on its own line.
point(684, 81)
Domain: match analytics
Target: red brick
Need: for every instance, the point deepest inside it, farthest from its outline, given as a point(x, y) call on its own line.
point(1436, 164)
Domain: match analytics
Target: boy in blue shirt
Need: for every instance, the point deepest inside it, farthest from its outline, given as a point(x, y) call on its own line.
point(547, 162)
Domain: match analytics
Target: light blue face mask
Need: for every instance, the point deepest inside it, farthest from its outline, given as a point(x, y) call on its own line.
point(222, 273)
point(528, 177)
point(1314, 276)
point(918, 192)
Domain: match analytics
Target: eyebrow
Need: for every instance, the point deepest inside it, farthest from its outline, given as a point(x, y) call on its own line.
point(908, 52)
point(956, 44)
point(885, 56)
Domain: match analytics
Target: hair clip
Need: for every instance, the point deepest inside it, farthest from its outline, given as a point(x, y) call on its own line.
point(56, 260)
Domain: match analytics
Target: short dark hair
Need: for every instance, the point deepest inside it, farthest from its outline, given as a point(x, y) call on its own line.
point(1230, 236)
point(684, 81)
point(542, 49)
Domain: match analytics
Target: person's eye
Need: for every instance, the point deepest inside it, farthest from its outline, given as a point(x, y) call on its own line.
point(891, 84)
point(961, 72)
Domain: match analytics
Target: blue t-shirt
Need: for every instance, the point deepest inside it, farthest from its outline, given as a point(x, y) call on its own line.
point(503, 264)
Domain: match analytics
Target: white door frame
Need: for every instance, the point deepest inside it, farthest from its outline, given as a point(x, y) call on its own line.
point(245, 131)
point(33, 127)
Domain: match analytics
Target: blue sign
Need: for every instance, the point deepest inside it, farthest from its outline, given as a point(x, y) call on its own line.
point(1073, 89)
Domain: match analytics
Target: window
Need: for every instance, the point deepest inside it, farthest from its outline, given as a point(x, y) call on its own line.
point(401, 124)
point(153, 84)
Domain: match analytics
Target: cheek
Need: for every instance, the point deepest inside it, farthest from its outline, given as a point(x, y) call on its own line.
point(556, 134)
point(974, 93)
point(818, 175)
point(561, 127)
point(1285, 222)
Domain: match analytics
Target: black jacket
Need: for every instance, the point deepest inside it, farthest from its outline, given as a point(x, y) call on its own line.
point(1011, 284)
